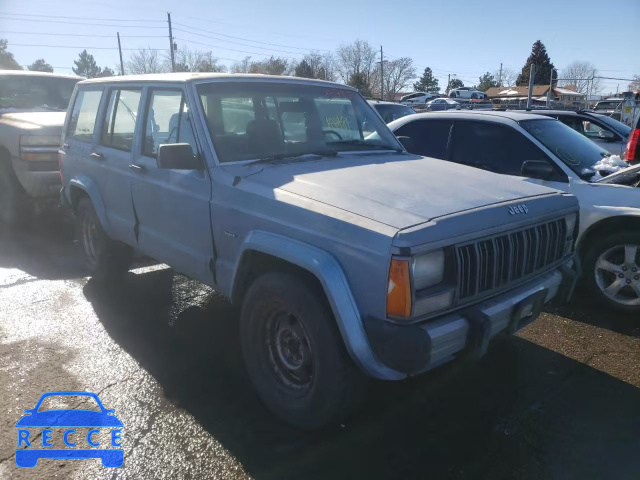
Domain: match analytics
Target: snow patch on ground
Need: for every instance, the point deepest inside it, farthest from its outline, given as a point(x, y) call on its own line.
point(608, 165)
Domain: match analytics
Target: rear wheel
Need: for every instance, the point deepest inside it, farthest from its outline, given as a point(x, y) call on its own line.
point(104, 258)
point(612, 269)
point(294, 353)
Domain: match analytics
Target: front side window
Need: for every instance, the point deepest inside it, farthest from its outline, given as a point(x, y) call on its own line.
point(83, 115)
point(492, 147)
point(120, 119)
point(253, 120)
point(167, 121)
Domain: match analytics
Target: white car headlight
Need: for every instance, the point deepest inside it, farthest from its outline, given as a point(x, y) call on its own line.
point(40, 140)
point(428, 269)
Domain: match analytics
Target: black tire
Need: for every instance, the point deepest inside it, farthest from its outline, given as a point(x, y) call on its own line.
point(612, 247)
point(294, 353)
point(106, 259)
point(15, 206)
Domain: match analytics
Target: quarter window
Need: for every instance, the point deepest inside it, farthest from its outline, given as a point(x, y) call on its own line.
point(167, 121)
point(430, 137)
point(83, 115)
point(120, 120)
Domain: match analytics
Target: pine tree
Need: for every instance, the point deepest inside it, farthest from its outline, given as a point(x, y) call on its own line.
point(427, 83)
point(486, 81)
point(304, 70)
point(359, 81)
point(544, 67)
point(86, 66)
point(40, 66)
point(7, 61)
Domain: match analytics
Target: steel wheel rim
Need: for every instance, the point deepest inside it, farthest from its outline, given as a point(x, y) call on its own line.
point(289, 350)
point(617, 274)
point(90, 238)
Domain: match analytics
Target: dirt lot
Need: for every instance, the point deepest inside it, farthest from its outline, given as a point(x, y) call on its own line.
point(561, 400)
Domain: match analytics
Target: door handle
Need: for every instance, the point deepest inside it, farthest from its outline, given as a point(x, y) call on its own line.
point(97, 156)
point(137, 168)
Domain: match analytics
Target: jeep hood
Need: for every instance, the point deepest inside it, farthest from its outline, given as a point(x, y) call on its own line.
point(399, 190)
point(48, 122)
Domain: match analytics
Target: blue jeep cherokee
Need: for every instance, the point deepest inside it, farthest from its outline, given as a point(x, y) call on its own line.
point(349, 256)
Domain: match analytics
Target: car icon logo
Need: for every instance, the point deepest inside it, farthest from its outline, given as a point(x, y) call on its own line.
point(70, 419)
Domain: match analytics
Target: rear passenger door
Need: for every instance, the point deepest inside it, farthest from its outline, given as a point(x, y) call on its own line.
point(113, 155)
point(172, 206)
point(430, 137)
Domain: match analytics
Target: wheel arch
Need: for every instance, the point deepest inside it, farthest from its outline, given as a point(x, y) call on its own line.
point(264, 251)
point(83, 186)
point(604, 227)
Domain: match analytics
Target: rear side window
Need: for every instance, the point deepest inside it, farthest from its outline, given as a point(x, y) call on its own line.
point(167, 121)
point(120, 119)
point(430, 137)
point(83, 115)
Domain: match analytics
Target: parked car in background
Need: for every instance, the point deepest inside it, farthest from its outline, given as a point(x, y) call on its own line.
point(346, 254)
point(610, 134)
point(443, 104)
point(632, 153)
point(467, 92)
point(390, 111)
point(418, 98)
point(32, 110)
point(610, 107)
point(542, 150)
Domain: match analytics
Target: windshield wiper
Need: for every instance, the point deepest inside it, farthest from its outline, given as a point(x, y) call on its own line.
point(359, 142)
point(283, 156)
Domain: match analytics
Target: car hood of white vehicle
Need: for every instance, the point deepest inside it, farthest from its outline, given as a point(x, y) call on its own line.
point(32, 120)
point(399, 190)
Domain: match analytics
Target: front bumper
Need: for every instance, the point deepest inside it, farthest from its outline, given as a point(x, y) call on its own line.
point(412, 349)
point(39, 179)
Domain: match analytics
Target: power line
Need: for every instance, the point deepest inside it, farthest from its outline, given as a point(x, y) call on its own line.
point(82, 47)
point(84, 23)
point(232, 49)
point(83, 35)
point(79, 18)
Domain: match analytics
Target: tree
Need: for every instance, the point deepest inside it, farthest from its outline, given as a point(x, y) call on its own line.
point(107, 72)
point(486, 81)
point(544, 67)
point(40, 66)
point(454, 83)
point(354, 59)
point(396, 76)
point(506, 77)
point(242, 66)
point(7, 62)
point(359, 81)
point(187, 60)
point(635, 85)
point(313, 65)
point(271, 66)
point(86, 66)
point(427, 82)
point(146, 61)
point(579, 75)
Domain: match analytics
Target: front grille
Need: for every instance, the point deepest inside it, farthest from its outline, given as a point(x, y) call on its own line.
point(492, 263)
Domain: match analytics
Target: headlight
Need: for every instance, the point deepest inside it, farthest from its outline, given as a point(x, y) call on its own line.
point(428, 269)
point(40, 140)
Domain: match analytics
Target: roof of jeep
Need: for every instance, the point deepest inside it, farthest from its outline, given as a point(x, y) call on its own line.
point(38, 74)
point(482, 115)
point(195, 76)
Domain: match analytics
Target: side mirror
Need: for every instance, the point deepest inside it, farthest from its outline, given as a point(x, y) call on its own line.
point(177, 156)
point(407, 143)
point(539, 169)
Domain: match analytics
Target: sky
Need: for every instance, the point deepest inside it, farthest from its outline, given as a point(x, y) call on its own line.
point(465, 38)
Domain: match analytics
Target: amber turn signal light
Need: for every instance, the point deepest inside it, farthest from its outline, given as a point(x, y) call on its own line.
point(399, 289)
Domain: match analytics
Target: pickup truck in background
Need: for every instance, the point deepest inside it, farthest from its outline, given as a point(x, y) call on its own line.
point(32, 111)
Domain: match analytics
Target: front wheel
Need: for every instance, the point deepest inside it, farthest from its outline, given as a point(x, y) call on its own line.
point(104, 258)
point(294, 353)
point(612, 269)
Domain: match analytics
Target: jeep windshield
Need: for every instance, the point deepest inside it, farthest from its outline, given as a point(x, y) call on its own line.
point(33, 92)
point(578, 152)
point(277, 120)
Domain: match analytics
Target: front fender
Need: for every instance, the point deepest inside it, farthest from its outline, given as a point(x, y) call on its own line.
point(328, 271)
point(87, 185)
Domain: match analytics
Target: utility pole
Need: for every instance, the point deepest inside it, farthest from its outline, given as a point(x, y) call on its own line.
point(532, 76)
point(173, 60)
point(448, 83)
point(381, 74)
point(500, 76)
point(120, 51)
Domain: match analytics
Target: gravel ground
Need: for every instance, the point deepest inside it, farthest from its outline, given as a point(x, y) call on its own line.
point(561, 400)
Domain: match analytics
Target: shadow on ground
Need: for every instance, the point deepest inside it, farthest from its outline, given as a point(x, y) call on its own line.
point(522, 412)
